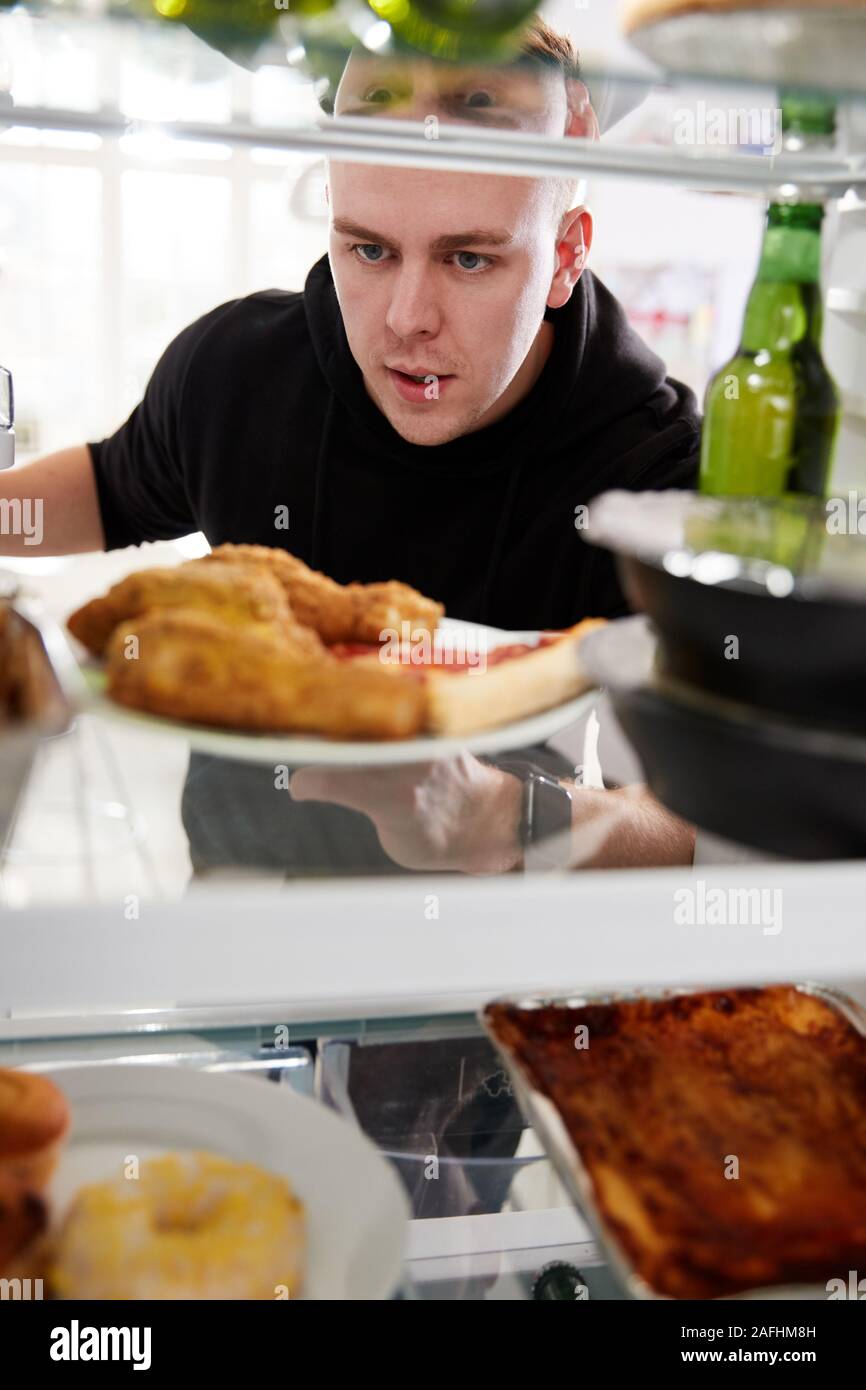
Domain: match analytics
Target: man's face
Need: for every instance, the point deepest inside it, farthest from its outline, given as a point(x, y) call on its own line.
point(444, 276)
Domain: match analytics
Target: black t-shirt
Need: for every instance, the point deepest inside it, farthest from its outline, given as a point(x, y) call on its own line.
point(258, 412)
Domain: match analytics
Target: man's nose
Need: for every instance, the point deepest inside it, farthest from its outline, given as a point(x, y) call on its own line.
point(413, 311)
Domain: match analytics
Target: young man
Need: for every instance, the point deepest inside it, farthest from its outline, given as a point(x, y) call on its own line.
point(448, 390)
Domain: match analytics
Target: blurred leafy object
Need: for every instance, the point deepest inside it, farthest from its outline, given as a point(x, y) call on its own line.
point(238, 28)
point(454, 29)
point(309, 7)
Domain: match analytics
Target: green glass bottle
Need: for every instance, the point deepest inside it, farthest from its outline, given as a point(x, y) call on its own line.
point(458, 29)
point(772, 413)
point(237, 28)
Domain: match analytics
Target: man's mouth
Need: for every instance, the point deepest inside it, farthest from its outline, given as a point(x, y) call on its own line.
point(419, 385)
point(418, 373)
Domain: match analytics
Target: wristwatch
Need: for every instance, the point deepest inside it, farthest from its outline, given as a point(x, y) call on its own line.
point(545, 821)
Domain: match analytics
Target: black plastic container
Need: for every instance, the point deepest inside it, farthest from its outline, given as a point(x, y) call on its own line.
point(777, 784)
point(757, 600)
point(797, 656)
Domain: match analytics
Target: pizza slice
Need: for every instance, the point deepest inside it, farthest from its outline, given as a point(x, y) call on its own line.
point(468, 693)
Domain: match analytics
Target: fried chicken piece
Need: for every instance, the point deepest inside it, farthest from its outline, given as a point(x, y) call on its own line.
point(339, 612)
point(239, 593)
point(192, 666)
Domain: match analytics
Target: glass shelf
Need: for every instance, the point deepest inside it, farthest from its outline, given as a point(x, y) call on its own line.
point(390, 142)
point(79, 76)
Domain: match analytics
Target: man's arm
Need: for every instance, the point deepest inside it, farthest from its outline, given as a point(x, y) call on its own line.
point(463, 815)
point(51, 507)
point(627, 829)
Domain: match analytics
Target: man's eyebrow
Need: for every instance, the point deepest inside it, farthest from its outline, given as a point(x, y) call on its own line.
point(346, 228)
point(483, 236)
point(453, 241)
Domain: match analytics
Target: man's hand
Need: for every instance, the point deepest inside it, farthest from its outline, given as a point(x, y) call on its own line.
point(457, 815)
point(464, 816)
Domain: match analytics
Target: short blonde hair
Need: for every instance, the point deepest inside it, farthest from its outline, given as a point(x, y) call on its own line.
point(540, 41)
point(544, 44)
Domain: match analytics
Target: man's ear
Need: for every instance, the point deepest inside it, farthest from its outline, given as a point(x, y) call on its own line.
point(572, 250)
point(581, 119)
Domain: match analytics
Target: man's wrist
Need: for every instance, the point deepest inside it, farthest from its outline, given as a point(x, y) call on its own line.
point(614, 828)
point(545, 833)
point(628, 828)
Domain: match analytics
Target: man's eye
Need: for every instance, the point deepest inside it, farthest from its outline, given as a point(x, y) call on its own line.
point(369, 252)
point(477, 261)
point(379, 95)
point(474, 98)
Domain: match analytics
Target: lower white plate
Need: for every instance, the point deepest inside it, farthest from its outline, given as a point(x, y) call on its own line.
point(306, 749)
point(355, 1205)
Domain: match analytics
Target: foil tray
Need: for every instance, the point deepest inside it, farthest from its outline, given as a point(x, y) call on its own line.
point(548, 1124)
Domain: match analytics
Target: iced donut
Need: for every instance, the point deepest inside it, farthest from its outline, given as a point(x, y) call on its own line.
point(191, 1226)
point(34, 1118)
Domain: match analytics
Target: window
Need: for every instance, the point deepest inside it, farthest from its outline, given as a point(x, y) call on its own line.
point(108, 247)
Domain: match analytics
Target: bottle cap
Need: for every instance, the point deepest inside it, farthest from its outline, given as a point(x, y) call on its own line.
point(560, 1281)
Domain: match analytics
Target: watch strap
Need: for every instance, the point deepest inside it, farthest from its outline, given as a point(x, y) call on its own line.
point(545, 822)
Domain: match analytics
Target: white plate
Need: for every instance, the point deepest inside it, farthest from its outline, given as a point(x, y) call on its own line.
point(303, 750)
point(355, 1205)
point(822, 47)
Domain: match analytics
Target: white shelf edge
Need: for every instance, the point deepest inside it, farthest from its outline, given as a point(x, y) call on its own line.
point(359, 950)
point(386, 141)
